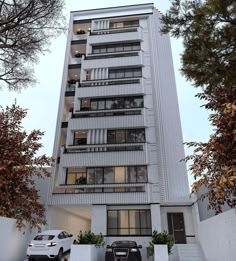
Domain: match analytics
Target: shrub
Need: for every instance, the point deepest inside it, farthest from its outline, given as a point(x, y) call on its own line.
point(162, 238)
point(89, 238)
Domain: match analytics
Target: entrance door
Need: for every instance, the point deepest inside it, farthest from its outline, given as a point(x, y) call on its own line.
point(176, 227)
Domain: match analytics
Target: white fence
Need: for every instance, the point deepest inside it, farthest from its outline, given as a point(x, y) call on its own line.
point(217, 236)
point(13, 243)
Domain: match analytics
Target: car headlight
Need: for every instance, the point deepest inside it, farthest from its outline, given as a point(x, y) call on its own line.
point(133, 250)
point(109, 250)
point(52, 244)
point(30, 245)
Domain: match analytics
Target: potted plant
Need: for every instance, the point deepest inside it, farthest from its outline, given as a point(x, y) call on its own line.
point(79, 31)
point(161, 245)
point(88, 247)
point(78, 55)
point(81, 181)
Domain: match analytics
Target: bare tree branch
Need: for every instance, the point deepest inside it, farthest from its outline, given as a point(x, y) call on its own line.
point(26, 28)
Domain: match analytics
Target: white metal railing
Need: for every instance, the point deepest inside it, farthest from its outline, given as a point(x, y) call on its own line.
point(103, 147)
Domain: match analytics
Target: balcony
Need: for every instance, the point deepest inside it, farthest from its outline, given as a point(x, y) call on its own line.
point(102, 158)
point(105, 119)
point(105, 188)
point(111, 55)
point(102, 82)
point(76, 197)
point(110, 88)
point(104, 148)
point(114, 61)
point(115, 35)
point(75, 61)
point(79, 37)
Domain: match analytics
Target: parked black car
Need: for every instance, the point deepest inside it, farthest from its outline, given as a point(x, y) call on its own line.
point(123, 251)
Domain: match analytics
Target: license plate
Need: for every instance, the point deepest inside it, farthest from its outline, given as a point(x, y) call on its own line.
point(121, 253)
point(39, 245)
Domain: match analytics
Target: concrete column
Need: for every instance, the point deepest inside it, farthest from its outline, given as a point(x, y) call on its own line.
point(156, 217)
point(99, 219)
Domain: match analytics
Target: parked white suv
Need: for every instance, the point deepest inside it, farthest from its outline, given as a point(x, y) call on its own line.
point(49, 245)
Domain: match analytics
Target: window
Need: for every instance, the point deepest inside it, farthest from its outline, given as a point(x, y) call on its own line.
point(80, 138)
point(75, 176)
point(129, 222)
point(85, 105)
point(137, 174)
point(125, 73)
point(88, 75)
point(106, 175)
point(125, 136)
point(111, 103)
point(115, 48)
point(122, 24)
point(44, 237)
point(109, 175)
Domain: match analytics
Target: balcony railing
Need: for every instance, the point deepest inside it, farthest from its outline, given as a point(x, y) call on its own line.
point(101, 188)
point(70, 87)
point(114, 30)
point(107, 113)
point(104, 148)
point(111, 55)
point(79, 37)
point(102, 82)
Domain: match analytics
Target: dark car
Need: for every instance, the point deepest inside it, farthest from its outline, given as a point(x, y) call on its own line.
point(123, 251)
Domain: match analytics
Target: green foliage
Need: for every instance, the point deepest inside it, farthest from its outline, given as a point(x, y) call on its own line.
point(162, 238)
point(208, 30)
point(89, 238)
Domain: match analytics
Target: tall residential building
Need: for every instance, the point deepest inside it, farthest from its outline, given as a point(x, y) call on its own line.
point(118, 140)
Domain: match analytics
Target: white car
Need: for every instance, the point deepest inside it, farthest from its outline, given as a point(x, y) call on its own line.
point(49, 245)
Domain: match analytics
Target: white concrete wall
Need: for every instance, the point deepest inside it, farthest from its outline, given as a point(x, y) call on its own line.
point(217, 236)
point(99, 219)
point(65, 219)
point(13, 243)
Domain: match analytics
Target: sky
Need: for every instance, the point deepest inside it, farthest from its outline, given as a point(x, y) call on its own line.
point(42, 100)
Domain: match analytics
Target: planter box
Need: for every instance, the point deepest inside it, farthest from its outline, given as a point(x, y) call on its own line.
point(160, 253)
point(86, 253)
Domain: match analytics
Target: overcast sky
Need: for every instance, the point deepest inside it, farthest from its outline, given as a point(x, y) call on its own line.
point(42, 100)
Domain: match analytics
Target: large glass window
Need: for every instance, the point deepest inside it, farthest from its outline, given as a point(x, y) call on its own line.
point(111, 103)
point(125, 73)
point(129, 222)
point(124, 24)
point(115, 48)
point(125, 136)
point(107, 175)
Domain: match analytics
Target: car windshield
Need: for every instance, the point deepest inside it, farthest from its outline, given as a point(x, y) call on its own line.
point(128, 244)
point(44, 237)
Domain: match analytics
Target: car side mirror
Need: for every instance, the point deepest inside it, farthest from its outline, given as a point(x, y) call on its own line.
point(140, 246)
point(108, 246)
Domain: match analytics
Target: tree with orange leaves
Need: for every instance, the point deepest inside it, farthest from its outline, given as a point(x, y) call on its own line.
point(19, 164)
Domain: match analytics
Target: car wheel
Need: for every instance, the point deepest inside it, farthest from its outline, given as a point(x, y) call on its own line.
point(59, 256)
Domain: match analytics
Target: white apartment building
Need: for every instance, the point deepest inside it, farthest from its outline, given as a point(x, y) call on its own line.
point(118, 140)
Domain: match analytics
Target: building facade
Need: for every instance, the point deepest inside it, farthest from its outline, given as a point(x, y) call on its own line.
point(118, 140)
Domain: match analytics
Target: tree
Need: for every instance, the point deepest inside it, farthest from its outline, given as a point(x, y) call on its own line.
point(19, 164)
point(26, 26)
point(208, 30)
